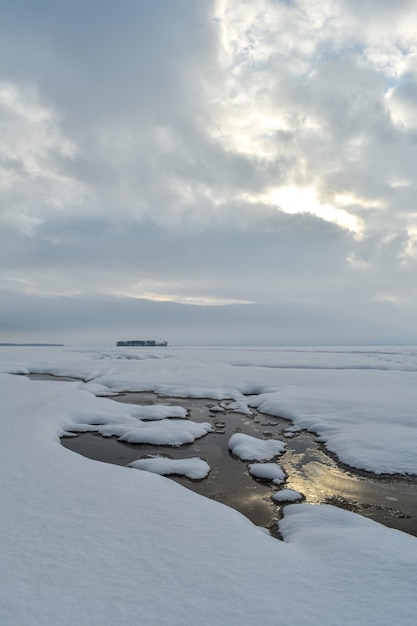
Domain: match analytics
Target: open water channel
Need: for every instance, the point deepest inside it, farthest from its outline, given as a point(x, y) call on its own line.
point(310, 468)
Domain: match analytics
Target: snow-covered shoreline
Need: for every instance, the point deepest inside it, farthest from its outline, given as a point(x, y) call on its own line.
point(362, 408)
point(95, 544)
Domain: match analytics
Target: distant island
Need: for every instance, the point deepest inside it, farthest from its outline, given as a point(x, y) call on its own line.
point(147, 343)
point(34, 345)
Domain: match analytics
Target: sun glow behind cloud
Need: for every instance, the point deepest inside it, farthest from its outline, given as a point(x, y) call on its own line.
point(262, 120)
point(173, 291)
point(304, 200)
point(180, 299)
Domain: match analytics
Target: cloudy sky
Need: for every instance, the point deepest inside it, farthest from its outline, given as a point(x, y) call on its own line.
point(211, 171)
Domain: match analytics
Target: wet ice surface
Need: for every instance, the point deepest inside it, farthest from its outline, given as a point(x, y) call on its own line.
point(309, 469)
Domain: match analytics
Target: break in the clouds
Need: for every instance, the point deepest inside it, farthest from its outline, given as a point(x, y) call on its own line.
point(240, 169)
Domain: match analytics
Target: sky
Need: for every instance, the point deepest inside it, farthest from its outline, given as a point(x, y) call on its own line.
point(211, 172)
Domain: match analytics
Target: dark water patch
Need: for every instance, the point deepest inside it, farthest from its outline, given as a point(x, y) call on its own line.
point(309, 468)
point(228, 482)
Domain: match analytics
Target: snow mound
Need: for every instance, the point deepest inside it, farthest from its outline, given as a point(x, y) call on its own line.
point(268, 471)
point(167, 432)
point(287, 495)
point(249, 448)
point(194, 468)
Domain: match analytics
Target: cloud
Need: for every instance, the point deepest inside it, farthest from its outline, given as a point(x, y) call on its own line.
point(208, 153)
point(107, 320)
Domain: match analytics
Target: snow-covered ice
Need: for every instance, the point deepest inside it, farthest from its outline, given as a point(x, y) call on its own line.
point(239, 406)
point(164, 432)
point(194, 468)
point(291, 431)
point(267, 471)
point(250, 448)
point(361, 401)
point(217, 408)
point(158, 411)
point(93, 544)
point(287, 495)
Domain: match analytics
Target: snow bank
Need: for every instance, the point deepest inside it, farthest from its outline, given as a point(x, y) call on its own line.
point(367, 418)
point(193, 468)
point(250, 448)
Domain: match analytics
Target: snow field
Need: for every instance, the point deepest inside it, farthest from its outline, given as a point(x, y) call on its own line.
point(359, 400)
point(96, 544)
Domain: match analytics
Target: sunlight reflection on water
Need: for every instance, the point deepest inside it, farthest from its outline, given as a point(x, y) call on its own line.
point(310, 470)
